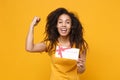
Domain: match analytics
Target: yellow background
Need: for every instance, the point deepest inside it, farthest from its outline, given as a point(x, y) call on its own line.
point(100, 19)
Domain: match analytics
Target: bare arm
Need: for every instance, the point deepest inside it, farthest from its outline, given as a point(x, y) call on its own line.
point(81, 63)
point(30, 46)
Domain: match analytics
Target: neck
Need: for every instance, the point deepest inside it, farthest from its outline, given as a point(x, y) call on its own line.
point(64, 41)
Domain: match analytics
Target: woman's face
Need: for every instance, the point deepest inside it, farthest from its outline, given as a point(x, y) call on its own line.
point(64, 25)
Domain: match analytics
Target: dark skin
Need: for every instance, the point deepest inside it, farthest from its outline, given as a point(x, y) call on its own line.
point(63, 26)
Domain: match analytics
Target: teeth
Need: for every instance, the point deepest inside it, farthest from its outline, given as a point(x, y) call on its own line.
point(63, 29)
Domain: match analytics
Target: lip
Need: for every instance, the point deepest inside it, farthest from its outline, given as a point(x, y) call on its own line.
point(63, 30)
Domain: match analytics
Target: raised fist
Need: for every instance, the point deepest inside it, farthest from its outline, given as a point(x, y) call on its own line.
point(35, 21)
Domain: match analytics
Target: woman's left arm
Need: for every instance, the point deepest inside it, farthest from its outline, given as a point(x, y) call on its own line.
point(81, 63)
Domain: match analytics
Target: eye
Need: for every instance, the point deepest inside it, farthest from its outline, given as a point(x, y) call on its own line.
point(68, 22)
point(59, 22)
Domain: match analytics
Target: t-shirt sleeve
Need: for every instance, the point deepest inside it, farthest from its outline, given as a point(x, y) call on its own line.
point(47, 43)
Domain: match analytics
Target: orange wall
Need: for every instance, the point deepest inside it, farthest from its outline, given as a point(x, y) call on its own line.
point(100, 19)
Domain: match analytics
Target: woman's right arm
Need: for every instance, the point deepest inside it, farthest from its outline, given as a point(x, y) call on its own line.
point(30, 46)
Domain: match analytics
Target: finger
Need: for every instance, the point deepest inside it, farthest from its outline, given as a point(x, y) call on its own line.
point(80, 65)
point(38, 19)
point(80, 60)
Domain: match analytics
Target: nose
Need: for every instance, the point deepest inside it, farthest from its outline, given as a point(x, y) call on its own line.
point(64, 24)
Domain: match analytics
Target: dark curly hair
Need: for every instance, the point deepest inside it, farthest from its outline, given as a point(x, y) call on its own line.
point(76, 33)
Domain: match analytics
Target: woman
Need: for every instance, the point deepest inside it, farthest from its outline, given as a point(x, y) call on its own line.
point(62, 29)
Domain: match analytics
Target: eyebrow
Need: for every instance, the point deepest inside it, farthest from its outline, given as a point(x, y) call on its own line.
point(66, 19)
